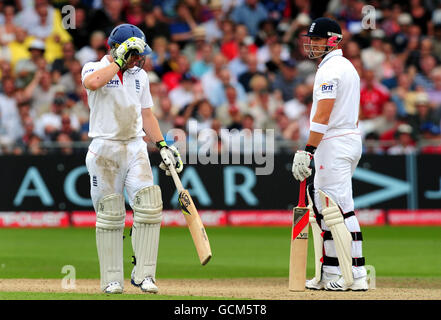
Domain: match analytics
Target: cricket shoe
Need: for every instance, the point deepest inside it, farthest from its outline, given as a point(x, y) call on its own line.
point(359, 284)
point(113, 287)
point(147, 285)
point(314, 284)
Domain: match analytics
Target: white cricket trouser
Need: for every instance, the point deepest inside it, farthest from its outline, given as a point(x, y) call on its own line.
point(113, 165)
point(335, 161)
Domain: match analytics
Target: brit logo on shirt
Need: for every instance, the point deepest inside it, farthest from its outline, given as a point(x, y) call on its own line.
point(326, 87)
point(137, 85)
point(112, 83)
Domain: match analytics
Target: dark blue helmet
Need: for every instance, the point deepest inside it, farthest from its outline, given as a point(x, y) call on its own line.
point(324, 28)
point(124, 31)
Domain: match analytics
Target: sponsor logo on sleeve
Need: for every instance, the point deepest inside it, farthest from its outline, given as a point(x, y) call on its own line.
point(327, 87)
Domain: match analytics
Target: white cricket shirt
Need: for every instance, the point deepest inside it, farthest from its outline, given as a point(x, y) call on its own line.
point(337, 79)
point(115, 109)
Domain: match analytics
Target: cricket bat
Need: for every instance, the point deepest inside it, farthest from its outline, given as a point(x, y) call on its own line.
point(194, 222)
point(299, 243)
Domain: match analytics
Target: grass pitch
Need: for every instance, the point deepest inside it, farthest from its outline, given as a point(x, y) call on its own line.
point(237, 253)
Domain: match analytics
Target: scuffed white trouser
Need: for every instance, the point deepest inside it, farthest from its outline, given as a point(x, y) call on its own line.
point(113, 165)
point(335, 161)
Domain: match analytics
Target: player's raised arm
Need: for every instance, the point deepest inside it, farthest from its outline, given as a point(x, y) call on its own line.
point(120, 57)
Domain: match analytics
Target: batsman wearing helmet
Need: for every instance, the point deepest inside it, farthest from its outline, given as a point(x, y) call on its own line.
point(335, 145)
point(120, 116)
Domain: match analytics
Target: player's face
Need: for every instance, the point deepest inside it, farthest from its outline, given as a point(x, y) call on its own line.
point(315, 47)
point(133, 60)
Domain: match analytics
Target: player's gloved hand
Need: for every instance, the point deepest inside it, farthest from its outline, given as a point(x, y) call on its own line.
point(301, 164)
point(170, 156)
point(127, 48)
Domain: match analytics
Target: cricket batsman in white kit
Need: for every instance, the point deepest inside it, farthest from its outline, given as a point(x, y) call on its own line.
point(120, 116)
point(335, 145)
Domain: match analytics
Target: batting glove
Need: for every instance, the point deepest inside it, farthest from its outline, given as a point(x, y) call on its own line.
point(170, 156)
point(301, 164)
point(127, 48)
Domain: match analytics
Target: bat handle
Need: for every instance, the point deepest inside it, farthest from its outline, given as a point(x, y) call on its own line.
point(302, 193)
point(176, 179)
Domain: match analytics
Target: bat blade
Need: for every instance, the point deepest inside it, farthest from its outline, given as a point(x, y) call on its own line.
point(197, 229)
point(299, 249)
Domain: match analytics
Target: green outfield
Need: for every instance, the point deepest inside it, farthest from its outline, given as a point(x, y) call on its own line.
point(237, 253)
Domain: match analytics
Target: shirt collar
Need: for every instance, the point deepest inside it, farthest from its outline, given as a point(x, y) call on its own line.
point(331, 54)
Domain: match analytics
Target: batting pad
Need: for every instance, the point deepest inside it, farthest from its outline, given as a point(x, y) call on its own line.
point(342, 237)
point(317, 237)
point(147, 219)
point(110, 219)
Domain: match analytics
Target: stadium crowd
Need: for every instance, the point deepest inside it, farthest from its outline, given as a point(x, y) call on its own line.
point(225, 64)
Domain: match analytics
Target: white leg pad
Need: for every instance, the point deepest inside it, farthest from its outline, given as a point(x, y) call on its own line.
point(147, 219)
point(342, 237)
point(110, 219)
point(317, 237)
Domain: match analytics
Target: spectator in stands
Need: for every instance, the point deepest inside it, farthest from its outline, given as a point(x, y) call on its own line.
point(167, 114)
point(65, 144)
point(80, 34)
point(436, 41)
point(181, 28)
point(41, 92)
point(204, 64)
point(48, 124)
point(10, 122)
point(17, 49)
point(105, 18)
point(238, 65)
point(229, 46)
point(211, 78)
point(204, 115)
point(171, 63)
point(262, 104)
point(435, 93)
point(35, 146)
point(60, 65)
point(371, 144)
point(274, 64)
point(286, 80)
point(425, 117)
point(217, 95)
point(373, 95)
point(422, 78)
point(405, 143)
point(90, 52)
point(251, 71)
point(28, 128)
point(68, 79)
point(171, 79)
point(374, 56)
point(251, 13)
point(400, 39)
point(135, 12)
point(229, 113)
point(385, 125)
point(153, 28)
point(295, 107)
point(193, 49)
point(8, 27)
point(213, 27)
point(25, 68)
point(182, 94)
